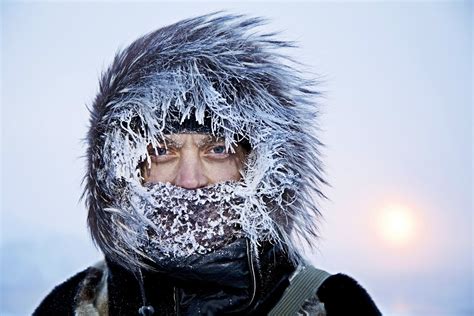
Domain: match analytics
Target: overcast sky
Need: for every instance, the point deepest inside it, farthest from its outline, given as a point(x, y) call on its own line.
point(397, 124)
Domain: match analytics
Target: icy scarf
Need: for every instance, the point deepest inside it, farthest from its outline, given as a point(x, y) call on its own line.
point(185, 222)
point(161, 221)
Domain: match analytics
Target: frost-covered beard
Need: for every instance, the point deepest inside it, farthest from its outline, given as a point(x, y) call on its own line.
point(178, 222)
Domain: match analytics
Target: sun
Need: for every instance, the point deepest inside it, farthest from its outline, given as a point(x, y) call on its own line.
point(397, 224)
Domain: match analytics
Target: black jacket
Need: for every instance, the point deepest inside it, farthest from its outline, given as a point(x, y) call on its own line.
point(216, 286)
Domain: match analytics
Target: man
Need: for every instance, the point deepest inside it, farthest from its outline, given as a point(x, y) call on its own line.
point(202, 165)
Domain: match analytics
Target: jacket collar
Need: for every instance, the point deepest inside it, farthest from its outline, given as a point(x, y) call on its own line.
point(228, 280)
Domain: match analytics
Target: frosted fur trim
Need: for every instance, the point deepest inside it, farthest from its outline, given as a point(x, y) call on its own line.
point(312, 307)
point(92, 295)
point(221, 66)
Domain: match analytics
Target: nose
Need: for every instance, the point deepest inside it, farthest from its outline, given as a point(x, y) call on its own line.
point(190, 173)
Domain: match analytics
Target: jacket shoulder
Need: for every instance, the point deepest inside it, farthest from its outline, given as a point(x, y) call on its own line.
point(342, 295)
point(61, 300)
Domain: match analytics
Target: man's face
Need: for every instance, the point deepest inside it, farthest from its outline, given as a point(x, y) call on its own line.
point(193, 161)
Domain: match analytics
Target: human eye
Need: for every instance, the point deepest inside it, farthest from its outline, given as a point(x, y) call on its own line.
point(157, 151)
point(218, 149)
point(160, 153)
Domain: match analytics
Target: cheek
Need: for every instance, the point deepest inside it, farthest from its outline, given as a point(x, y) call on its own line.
point(159, 173)
point(219, 172)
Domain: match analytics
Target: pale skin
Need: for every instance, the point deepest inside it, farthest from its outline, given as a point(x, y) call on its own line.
point(193, 161)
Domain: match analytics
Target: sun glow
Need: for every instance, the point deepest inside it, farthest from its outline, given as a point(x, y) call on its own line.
point(397, 225)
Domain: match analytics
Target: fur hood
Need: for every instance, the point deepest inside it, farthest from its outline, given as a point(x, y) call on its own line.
point(217, 67)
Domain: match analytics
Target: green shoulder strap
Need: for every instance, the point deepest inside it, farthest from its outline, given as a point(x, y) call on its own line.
point(303, 286)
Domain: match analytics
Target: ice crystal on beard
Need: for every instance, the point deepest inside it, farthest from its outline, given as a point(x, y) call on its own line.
point(169, 221)
point(193, 222)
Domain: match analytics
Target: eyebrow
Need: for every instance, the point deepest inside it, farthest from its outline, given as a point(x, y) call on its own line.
point(209, 140)
point(168, 141)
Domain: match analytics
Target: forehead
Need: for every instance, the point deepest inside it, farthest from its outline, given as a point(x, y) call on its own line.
point(181, 139)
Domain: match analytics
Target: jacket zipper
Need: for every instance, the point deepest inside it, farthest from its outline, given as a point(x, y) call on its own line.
point(252, 273)
point(252, 276)
point(176, 300)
